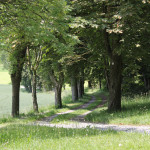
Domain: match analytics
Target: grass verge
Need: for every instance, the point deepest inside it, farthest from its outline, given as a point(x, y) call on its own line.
point(42, 138)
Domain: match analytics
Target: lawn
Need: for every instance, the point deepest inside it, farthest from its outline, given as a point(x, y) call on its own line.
point(23, 137)
point(135, 111)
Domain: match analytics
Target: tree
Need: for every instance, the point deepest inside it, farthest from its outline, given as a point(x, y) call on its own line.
point(26, 25)
point(108, 26)
point(34, 57)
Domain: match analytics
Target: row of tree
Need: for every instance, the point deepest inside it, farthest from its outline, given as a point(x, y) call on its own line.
point(62, 41)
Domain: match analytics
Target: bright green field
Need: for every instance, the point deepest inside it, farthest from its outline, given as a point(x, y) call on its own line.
point(25, 100)
point(44, 99)
point(22, 137)
point(4, 76)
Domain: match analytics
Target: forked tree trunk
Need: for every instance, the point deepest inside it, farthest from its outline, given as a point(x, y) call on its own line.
point(115, 81)
point(74, 89)
point(79, 88)
point(34, 95)
point(58, 101)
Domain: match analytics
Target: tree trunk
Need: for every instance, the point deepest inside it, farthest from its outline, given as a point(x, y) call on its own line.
point(15, 78)
point(79, 88)
point(114, 103)
point(82, 81)
point(57, 86)
point(146, 83)
point(100, 84)
point(74, 89)
point(19, 55)
point(58, 102)
point(34, 95)
point(89, 84)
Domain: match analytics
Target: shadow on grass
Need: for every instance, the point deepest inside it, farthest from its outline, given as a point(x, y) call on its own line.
point(131, 111)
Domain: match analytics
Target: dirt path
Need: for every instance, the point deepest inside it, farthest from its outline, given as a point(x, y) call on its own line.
point(80, 118)
point(79, 122)
point(48, 119)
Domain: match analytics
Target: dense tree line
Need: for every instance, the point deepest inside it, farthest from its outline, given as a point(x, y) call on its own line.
point(50, 43)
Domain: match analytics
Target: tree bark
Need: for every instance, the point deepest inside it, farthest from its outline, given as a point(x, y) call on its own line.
point(19, 56)
point(82, 81)
point(146, 82)
point(79, 88)
point(34, 94)
point(74, 89)
point(115, 81)
point(58, 101)
point(57, 83)
point(115, 72)
point(15, 93)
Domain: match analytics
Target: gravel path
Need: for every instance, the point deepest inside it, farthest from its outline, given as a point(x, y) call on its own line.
point(48, 119)
point(103, 127)
point(79, 122)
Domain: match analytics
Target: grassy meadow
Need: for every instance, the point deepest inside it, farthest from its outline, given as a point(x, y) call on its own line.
point(44, 99)
point(4, 76)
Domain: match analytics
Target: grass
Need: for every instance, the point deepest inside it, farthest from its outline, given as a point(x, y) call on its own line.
point(65, 118)
point(21, 136)
point(50, 110)
point(24, 137)
point(4, 76)
point(135, 111)
point(44, 99)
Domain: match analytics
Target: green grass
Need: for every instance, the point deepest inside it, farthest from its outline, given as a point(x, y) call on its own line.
point(22, 137)
point(65, 118)
point(44, 99)
point(4, 76)
point(135, 111)
point(49, 110)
